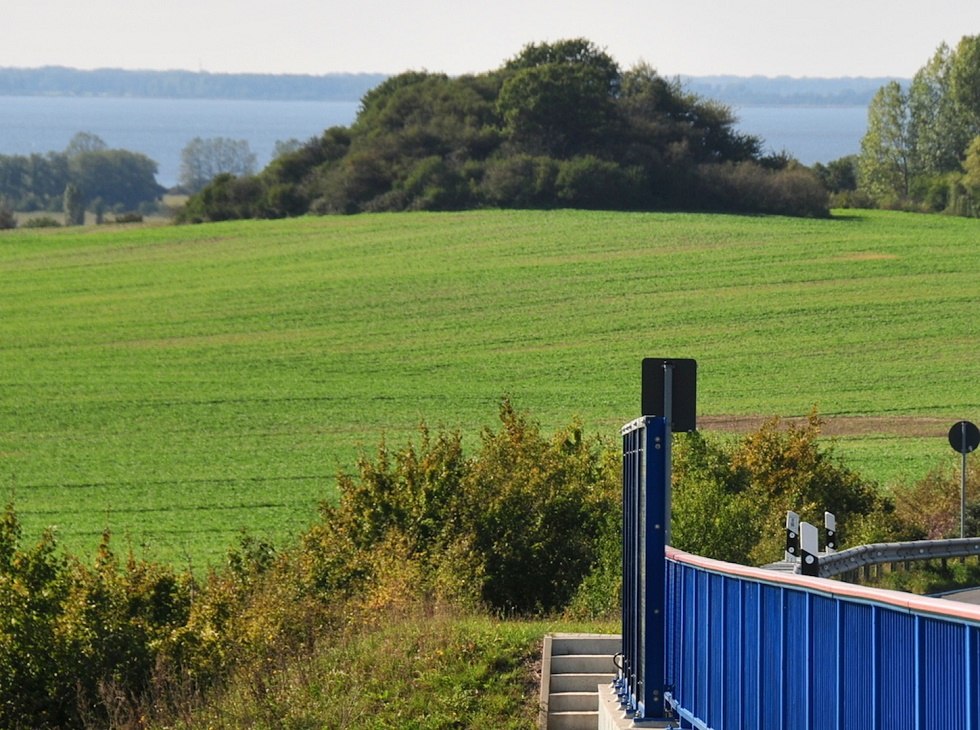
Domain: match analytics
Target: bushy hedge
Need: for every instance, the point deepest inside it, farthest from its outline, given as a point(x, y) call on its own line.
point(527, 524)
point(558, 125)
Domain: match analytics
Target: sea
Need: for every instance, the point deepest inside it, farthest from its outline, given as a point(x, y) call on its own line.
point(161, 128)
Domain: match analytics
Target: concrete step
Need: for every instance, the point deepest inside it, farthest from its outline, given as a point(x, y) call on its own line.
point(582, 664)
point(585, 644)
point(590, 682)
point(573, 702)
point(573, 720)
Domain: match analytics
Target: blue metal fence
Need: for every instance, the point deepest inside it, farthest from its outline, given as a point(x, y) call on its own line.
point(646, 456)
point(747, 649)
point(730, 647)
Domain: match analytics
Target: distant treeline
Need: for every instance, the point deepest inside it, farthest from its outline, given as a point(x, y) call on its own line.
point(60, 81)
point(57, 80)
point(786, 90)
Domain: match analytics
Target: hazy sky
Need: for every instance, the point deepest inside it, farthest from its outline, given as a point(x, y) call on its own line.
point(696, 37)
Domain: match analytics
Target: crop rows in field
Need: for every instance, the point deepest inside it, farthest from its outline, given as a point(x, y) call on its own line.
point(179, 384)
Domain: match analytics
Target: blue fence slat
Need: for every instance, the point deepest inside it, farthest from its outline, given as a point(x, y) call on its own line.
point(857, 667)
point(896, 703)
point(732, 673)
point(797, 668)
point(771, 658)
point(944, 673)
point(751, 663)
point(824, 647)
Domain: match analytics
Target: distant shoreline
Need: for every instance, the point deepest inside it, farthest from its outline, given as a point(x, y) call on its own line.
point(105, 83)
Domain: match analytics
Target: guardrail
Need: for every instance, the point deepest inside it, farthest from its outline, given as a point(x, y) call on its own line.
point(751, 648)
point(864, 556)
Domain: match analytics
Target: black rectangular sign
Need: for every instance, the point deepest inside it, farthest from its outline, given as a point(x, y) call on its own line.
point(684, 378)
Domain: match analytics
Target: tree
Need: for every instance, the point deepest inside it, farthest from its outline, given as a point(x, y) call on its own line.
point(558, 98)
point(118, 178)
point(965, 82)
point(202, 160)
point(935, 124)
point(84, 142)
point(7, 219)
point(74, 206)
point(886, 162)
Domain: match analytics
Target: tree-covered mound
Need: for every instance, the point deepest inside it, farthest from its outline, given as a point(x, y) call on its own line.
point(558, 125)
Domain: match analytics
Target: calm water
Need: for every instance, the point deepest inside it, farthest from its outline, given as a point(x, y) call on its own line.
point(160, 128)
point(810, 134)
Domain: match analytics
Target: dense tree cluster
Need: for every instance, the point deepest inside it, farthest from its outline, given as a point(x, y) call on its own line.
point(559, 125)
point(922, 146)
point(101, 178)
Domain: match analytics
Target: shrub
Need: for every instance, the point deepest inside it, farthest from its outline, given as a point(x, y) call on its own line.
point(520, 181)
point(749, 187)
point(930, 508)
point(43, 221)
point(588, 182)
point(516, 527)
point(730, 499)
point(7, 218)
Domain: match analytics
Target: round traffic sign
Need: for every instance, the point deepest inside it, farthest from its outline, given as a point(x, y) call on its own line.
point(964, 437)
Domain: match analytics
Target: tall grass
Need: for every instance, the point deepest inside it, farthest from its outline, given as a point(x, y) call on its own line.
point(180, 384)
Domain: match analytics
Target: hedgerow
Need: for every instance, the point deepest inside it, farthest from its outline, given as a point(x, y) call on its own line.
point(528, 524)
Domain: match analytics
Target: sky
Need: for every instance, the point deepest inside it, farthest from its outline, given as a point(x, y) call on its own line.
point(800, 38)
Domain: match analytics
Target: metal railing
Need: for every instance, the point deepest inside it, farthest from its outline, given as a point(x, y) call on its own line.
point(646, 453)
point(855, 559)
point(748, 648)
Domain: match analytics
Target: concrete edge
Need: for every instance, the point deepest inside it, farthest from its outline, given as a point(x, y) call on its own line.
point(545, 682)
point(612, 715)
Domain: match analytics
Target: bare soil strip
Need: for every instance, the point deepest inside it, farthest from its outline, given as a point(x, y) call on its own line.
point(908, 426)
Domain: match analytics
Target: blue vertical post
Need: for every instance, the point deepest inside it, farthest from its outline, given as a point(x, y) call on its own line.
point(668, 404)
point(656, 501)
point(646, 464)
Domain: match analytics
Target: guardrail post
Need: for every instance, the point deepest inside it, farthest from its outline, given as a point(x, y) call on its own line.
point(792, 551)
point(809, 549)
point(830, 526)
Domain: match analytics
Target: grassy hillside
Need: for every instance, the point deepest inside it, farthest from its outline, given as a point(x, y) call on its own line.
point(179, 384)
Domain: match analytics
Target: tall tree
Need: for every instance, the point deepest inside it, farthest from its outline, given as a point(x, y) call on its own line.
point(118, 178)
point(965, 82)
point(74, 206)
point(935, 122)
point(558, 98)
point(886, 163)
point(202, 160)
point(83, 142)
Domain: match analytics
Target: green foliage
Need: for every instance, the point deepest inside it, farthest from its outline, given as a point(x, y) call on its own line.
point(119, 179)
point(74, 207)
point(918, 136)
point(425, 141)
point(515, 527)
point(749, 186)
point(930, 507)
point(840, 175)
point(558, 99)
point(7, 218)
point(204, 160)
point(730, 502)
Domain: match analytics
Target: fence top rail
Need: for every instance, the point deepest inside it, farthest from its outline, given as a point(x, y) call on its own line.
point(635, 424)
point(897, 600)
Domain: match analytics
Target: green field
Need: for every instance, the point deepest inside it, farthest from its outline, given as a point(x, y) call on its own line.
point(178, 384)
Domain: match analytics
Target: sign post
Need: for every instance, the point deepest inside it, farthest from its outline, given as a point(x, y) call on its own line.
point(964, 437)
